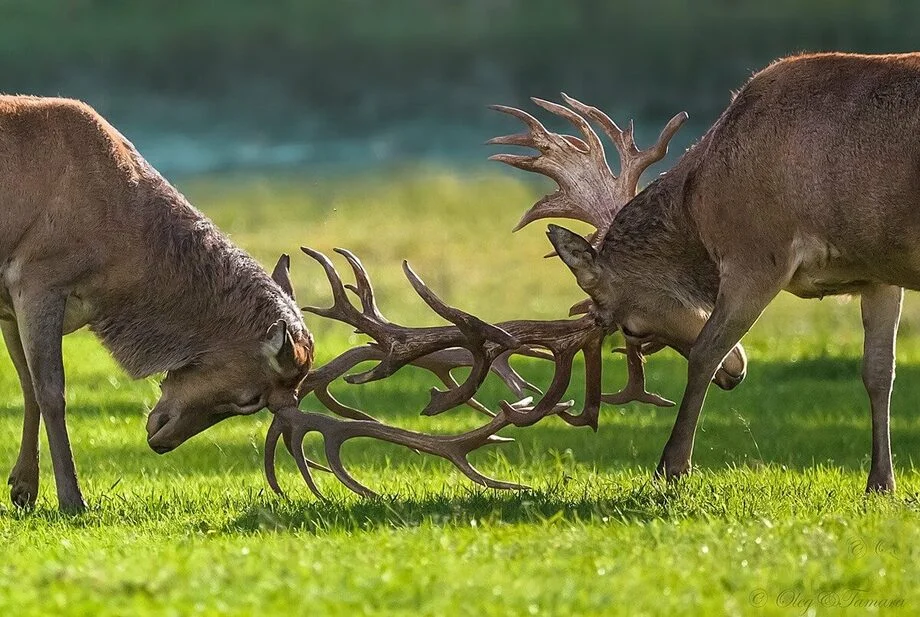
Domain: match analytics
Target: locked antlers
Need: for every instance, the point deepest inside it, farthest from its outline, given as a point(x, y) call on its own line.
point(588, 191)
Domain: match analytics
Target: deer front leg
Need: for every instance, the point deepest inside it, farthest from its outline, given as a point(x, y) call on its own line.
point(881, 312)
point(738, 306)
point(40, 317)
point(23, 479)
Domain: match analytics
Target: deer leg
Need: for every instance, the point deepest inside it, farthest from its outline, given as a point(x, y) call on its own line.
point(23, 479)
point(881, 312)
point(738, 306)
point(40, 317)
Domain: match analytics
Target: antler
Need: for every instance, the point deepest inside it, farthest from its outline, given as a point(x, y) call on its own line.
point(470, 342)
point(588, 190)
point(395, 345)
point(294, 426)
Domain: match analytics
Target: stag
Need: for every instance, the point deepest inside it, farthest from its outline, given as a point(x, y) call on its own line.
point(806, 183)
point(93, 235)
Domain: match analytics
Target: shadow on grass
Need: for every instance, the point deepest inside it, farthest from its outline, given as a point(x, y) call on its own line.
point(639, 502)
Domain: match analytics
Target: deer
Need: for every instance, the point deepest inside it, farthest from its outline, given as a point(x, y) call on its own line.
point(94, 236)
point(808, 182)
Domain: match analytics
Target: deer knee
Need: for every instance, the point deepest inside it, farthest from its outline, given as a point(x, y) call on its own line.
point(878, 376)
point(50, 398)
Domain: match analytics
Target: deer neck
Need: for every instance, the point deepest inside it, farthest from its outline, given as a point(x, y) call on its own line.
point(186, 291)
point(654, 242)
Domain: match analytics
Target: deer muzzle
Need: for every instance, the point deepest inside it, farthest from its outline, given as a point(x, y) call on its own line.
point(733, 369)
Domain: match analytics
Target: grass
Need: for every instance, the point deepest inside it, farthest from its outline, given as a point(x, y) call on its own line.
point(773, 522)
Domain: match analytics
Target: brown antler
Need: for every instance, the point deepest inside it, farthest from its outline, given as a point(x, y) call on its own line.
point(469, 342)
point(294, 426)
point(395, 345)
point(588, 190)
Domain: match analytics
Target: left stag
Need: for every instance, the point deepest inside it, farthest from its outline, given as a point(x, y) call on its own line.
point(93, 235)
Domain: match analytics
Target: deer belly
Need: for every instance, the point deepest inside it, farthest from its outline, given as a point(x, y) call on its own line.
point(819, 282)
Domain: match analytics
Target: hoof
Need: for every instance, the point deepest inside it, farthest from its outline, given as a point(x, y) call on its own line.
point(880, 486)
point(70, 500)
point(671, 471)
point(23, 487)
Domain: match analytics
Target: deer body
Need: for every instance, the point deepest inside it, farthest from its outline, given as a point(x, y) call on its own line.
point(93, 235)
point(809, 182)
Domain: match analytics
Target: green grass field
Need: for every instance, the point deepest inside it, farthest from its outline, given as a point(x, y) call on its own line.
point(773, 522)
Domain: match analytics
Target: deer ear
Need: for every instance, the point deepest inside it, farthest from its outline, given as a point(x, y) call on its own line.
point(281, 274)
point(577, 253)
point(278, 348)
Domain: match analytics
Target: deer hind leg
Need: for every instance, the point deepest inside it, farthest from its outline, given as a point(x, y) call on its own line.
point(881, 312)
point(740, 302)
point(40, 317)
point(23, 479)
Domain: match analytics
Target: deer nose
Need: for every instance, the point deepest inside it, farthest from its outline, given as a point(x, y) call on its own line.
point(726, 380)
point(155, 422)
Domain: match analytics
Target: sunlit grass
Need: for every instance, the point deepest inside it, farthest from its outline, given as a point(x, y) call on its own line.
point(775, 520)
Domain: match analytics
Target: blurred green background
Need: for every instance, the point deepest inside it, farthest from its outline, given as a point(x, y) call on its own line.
point(224, 84)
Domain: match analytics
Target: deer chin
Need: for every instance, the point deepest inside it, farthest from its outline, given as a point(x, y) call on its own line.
point(167, 431)
point(727, 380)
point(733, 369)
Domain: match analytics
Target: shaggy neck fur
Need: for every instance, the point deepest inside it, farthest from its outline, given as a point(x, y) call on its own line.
point(655, 242)
point(194, 292)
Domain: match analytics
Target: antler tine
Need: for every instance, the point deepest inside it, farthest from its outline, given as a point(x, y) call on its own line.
point(304, 464)
point(633, 161)
point(561, 378)
point(294, 425)
point(363, 288)
point(581, 308)
point(660, 149)
point(538, 133)
point(634, 390)
point(517, 384)
point(341, 308)
point(593, 398)
point(324, 396)
point(470, 325)
point(593, 143)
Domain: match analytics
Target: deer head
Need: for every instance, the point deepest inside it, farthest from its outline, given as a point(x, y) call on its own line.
point(239, 380)
point(590, 192)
